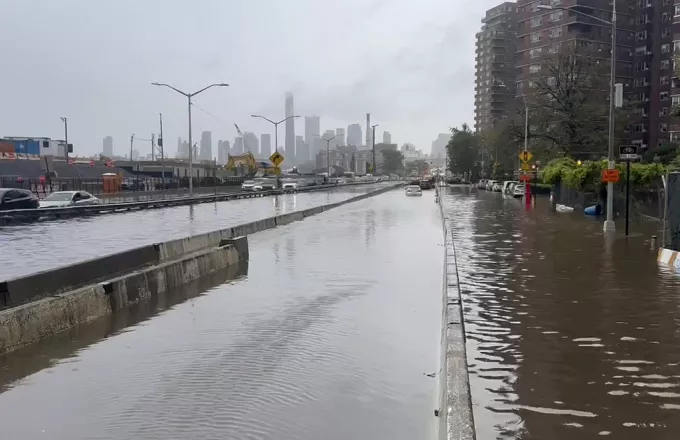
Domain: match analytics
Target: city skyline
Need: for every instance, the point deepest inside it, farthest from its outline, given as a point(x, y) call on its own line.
point(126, 102)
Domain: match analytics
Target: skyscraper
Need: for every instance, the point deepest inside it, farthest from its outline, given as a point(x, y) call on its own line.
point(223, 150)
point(205, 152)
point(312, 130)
point(301, 149)
point(387, 137)
point(495, 66)
point(238, 146)
point(107, 149)
point(290, 130)
point(339, 137)
point(251, 143)
point(265, 145)
point(354, 135)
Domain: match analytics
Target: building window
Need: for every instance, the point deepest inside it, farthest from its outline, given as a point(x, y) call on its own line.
point(556, 15)
point(535, 68)
point(665, 32)
point(663, 111)
point(675, 135)
point(665, 64)
point(554, 48)
point(664, 80)
point(535, 37)
point(555, 32)
point(676, 46)
point(666, 2)
point(641, 19)
point(552, 81)
point(663, 127)
point(663, 96)
point(666, 16)
point(535, 21)
point(666, 48)
point(641, 66)
point(555, 2)
point(535, 53)
point(641, 35)
point(639, 128)
point(677, 11)
point(640, 50)
point(675, 100)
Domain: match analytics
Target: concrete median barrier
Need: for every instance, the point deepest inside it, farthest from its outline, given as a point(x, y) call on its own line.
point(48, 302)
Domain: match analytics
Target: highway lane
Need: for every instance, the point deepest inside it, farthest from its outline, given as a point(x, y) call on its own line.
point(34, 247)
point(330, 335)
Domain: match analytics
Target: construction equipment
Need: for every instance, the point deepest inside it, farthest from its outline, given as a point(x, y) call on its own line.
point(249, 167)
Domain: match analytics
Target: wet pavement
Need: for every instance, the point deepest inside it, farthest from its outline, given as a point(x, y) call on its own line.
point(33, 247)
point(329, 335)
point(569, 335)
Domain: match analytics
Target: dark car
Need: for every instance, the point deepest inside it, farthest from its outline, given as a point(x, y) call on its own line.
point(426, 184)
point(11, 198)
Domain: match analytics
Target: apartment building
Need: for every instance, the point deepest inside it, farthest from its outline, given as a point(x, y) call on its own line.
point(495, 58)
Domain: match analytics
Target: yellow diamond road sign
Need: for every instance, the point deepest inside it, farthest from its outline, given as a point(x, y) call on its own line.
point(525, 156)
point(276, 158)
point(526, 166)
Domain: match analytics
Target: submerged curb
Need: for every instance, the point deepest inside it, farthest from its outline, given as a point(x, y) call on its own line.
point(455, 401)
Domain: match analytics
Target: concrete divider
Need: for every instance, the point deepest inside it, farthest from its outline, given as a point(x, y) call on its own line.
point(455, 402)
point(42, 304)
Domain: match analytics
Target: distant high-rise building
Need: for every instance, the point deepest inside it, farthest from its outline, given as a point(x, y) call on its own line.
point(439, 146)
point(251, 143)
point(340, 137)
point(387, 137)
point(107, 149)
point(301, 150)
point(205, 152)
point(265, 145)
point(238, 146)
point(182, 149)
point(290, 130)
point(354, 135)
point(312, 130)
point(223, 148)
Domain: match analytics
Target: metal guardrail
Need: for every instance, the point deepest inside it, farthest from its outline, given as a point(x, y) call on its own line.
point(26, 215)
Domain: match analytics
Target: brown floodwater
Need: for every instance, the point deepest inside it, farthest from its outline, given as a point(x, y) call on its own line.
point(569, 335)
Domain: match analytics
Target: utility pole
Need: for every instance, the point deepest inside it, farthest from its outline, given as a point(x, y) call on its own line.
point(160, 146)
point(64, 119)
point(373, 171)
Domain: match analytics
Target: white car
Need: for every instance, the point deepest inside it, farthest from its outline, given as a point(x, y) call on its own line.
point(508, 186)
point(489, 185)
point(63, 199)
point(413, 190)
point(251, 185)
point(292, 184)
point(518, 190)
point(496, 187)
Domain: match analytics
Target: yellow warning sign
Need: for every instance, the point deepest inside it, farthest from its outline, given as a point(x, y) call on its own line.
point(525, 156)
point(276, 158)
point(526, 166)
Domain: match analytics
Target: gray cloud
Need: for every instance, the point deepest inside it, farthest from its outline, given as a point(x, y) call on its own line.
point(411, 64)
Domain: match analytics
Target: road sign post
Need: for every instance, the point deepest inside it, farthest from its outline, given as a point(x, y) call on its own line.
point(628, 153)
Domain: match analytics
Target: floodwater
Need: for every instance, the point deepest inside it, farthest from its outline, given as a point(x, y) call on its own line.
point(330, 335)
point(33, 247)
point(569, 335)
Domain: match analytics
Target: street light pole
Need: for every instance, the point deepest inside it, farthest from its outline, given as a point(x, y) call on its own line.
point(328, 154)
point(373, 141)
point(609, 225)
point(276, 127)
point(64, 119)
point(189, 96)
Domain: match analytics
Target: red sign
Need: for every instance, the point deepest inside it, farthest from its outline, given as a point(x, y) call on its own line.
point(610, 176)
point(71, 161)
point(42, 180)
point(525, 178)
point(20, 179)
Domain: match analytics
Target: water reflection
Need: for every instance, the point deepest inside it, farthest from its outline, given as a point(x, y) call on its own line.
point(570, 335)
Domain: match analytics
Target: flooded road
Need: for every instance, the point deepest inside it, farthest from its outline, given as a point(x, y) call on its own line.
point(328, 336)
point(569, 336)
point(30, 248)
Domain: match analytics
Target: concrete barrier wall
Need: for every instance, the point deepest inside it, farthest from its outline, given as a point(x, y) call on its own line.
point(455, 407)
point(82, 292)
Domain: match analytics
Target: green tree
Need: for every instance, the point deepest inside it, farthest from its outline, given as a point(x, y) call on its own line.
point(463, 150)
point(416, 167)
point(393, 162)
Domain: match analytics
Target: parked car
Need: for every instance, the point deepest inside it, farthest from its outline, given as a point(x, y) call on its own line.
point(497, 187)
point(481, 184)
point(489, 185)
point(251, 185)
point(11, 198)
point(507, 186)
point(292, 184)
point(63, 199)
point(518, 191)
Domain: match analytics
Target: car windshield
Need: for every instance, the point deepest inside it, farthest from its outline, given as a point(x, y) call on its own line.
point(59, 197)
point(248, 182)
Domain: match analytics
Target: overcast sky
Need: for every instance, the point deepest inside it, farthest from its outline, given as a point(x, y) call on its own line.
point(410, 63)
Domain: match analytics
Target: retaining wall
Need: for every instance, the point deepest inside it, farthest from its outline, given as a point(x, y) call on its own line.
point(456, 421)
point(48, 302)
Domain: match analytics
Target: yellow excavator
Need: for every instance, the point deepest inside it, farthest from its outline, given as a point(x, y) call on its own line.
point(248, 166)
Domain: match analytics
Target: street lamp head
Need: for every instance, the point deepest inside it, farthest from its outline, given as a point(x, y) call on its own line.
point(155, 84)
point(223, 85)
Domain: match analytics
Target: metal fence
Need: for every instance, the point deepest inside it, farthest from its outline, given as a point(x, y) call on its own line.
point(42, 187)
